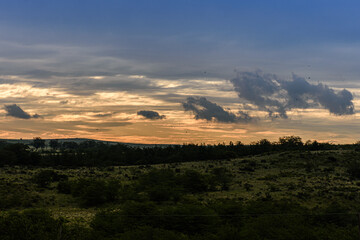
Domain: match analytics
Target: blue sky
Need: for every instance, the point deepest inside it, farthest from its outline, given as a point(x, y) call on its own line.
point(264, 22)
point(220, 32)
point(167, 51)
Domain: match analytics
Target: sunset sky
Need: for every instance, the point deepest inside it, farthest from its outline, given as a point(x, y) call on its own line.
point(184, 71)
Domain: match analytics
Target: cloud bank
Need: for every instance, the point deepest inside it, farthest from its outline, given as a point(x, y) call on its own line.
point(204, 109)
point(276, 96)
point(151, 115)
point(14, 110)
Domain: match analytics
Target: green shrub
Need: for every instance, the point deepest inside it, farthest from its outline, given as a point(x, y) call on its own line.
point(353, 169)
point(150, 233)
point(230, 211)
point(221, 177)
point(277, 227)
point(16, 195)
point(7, 158)
point(160, 185)
point(45, 177)
point(194, 182)
point(64, 187)
point(91, 192)
point(188, 218)
point(29, 225)
point(38, 224)
point(131, 216)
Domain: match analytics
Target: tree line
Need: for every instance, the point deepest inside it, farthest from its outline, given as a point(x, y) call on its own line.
point(93, 153)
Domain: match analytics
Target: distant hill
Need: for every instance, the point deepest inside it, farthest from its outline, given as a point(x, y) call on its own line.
point(79, 140)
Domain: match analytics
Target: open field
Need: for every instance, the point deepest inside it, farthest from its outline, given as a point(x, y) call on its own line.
point(284, 190)
point(313, 179)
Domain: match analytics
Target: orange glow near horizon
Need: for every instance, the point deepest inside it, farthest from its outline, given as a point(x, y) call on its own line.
point(112, 116)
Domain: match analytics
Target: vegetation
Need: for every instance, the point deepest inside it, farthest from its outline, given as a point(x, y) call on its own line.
point(91, 153)
point(282, 190)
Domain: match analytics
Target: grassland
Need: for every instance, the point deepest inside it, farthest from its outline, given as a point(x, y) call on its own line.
point(313, 179)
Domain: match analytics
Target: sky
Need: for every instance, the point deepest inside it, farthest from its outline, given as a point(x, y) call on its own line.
point(205, 71)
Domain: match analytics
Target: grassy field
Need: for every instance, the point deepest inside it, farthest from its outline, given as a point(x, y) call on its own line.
point(313, 179)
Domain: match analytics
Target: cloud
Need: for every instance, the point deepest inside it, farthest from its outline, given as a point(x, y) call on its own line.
point(151, 115)
point(101, 115)
point(277, 96)
point(42, 74)
point(204, 109)
point(15, 111)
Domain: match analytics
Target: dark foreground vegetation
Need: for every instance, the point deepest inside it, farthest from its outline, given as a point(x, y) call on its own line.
point(283, 190)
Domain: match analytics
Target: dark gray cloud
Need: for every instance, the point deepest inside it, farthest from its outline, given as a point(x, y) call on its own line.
point(7, 81)
point(204, 109)
point(277, 96)
point(45, 74)
point(16, 111)
point(42, 74)
point(86, 86)
point(151, 115)
point(103, 115)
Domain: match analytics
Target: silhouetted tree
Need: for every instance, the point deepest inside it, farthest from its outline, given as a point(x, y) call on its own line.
point(222, 177)
point(70, 145)
point(38, 143)
point(290, 142)
point(54, 144)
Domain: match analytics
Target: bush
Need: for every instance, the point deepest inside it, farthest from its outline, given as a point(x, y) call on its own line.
point(64, 187)
point(76, 231)
point(7, 158)
point(194, 182)
point(164, 185)
point(150, 233)
point(160, 185)
point(277, 227)
point(132, 216)
point(187, 219)
point(353, 168)
point(230, 211)
point(45, 177)
point(221, 177)
point(38, 224)
point(91, 192)
point(15, 195)
point(29, 225)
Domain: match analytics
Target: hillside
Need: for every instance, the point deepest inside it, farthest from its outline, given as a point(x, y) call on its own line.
point(312, 185)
